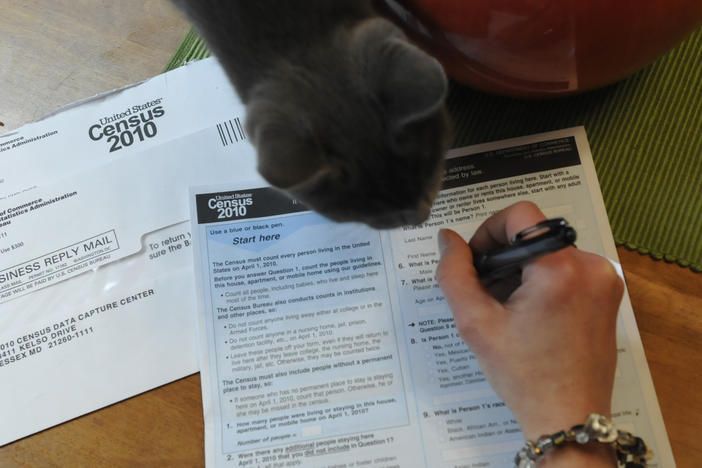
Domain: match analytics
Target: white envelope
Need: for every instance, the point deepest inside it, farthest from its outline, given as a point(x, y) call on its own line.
point(96, 288)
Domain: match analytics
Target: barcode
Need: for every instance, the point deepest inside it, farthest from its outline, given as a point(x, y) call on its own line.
point(231, 131)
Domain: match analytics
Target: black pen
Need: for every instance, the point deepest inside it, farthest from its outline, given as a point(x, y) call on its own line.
point(548, 236)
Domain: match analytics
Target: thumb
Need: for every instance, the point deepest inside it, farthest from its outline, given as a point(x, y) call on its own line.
point(471, 304)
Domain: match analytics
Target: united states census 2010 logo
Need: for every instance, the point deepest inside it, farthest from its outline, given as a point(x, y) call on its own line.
point(231, 205)
point(133, 125)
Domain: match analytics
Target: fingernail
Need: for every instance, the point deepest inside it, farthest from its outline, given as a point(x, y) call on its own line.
point(442, 237)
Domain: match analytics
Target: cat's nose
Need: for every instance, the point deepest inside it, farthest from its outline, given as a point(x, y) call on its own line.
point(417, 215)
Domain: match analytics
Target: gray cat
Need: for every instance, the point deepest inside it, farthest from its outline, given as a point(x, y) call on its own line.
point(346, 115)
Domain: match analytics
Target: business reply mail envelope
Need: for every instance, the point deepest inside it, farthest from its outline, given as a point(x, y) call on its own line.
point(96, 293)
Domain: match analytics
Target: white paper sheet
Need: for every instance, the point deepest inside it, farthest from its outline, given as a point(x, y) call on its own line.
point(327, 344)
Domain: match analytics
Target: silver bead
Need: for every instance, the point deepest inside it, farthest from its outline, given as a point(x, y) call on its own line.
point(582, 437)
point(544, 443)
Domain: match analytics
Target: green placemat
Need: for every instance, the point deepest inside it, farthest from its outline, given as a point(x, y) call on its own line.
point(646, 139)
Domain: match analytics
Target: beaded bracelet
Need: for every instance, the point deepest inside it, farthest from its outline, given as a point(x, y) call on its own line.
point(631, 451)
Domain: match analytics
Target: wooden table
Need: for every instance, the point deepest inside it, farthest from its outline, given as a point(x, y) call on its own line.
point(53, 52)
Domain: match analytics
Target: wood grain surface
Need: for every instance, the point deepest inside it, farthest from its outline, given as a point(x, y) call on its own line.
point(53, 52)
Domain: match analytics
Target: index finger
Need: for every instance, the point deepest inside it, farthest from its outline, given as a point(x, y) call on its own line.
point(498, 229)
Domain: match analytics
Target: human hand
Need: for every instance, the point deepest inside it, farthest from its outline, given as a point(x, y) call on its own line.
point(549, 350)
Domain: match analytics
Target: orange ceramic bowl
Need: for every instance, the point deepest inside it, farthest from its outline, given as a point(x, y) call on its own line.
point(537, 48)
